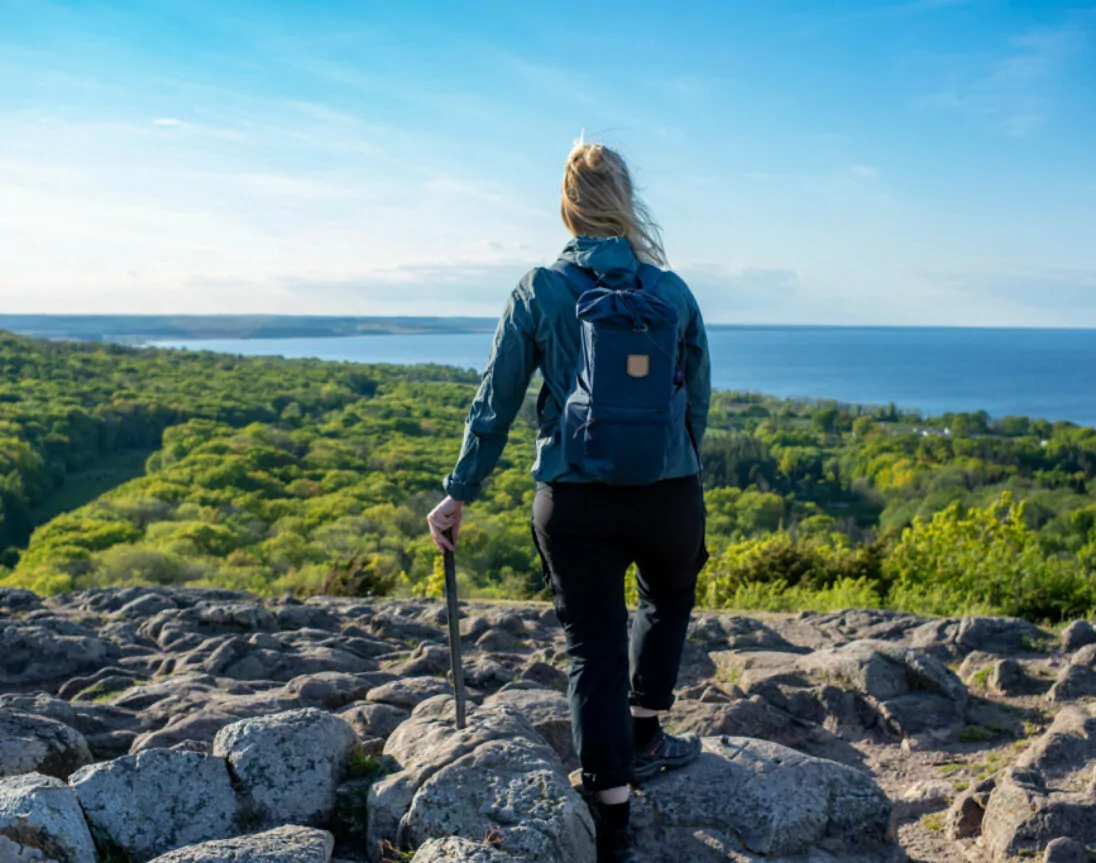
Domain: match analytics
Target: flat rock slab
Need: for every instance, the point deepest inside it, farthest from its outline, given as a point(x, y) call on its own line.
point(48, 649)
point(282, 845)
point(409, 691)
point(158, 800)
point(772, 799)
point(40, 819)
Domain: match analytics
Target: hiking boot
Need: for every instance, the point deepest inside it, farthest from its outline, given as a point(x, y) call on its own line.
point(665, 752)
point(616, 846)
point(615, 843)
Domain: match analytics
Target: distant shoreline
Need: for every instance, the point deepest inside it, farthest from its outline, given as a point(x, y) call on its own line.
point(146, 329)
point(141, 329)
point(934, 371)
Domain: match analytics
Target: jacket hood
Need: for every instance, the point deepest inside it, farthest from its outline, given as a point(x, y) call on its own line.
point(601, 254)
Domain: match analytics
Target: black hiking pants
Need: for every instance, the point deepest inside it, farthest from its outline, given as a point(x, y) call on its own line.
point(588, 535)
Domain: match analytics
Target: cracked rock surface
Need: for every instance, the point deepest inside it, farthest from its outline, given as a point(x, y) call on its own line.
point(191, 724)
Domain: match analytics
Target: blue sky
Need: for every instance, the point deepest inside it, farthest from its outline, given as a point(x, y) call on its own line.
point(846, 162)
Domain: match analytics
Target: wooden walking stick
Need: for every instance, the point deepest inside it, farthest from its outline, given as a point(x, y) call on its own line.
point(456, 670)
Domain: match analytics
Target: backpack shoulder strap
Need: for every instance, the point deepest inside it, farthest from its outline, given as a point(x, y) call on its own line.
point(649, 276)
point(576, 275)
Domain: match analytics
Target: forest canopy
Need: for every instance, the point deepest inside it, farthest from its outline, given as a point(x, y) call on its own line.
point(145, 466)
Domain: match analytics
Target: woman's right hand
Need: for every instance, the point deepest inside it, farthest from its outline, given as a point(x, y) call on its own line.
point(446, 516)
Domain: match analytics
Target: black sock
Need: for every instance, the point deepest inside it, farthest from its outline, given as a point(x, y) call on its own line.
point(614, 816)
point(646, 729)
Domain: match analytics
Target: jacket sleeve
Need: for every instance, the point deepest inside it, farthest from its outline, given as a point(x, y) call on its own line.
point(698, 373)
point(502, 390)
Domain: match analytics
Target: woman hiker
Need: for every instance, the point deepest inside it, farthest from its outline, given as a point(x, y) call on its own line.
point(617, 472)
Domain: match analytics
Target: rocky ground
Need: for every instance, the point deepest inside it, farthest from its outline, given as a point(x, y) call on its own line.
point(183, 725)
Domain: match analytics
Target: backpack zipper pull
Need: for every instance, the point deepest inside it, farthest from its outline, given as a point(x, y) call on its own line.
point(589, 422)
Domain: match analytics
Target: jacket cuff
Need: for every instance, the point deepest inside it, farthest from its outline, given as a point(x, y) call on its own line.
point(458, 490)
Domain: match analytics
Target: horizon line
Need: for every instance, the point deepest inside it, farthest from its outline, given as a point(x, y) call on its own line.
point(487, 318)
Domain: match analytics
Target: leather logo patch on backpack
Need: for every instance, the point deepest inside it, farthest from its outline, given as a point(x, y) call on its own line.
point(639, 365)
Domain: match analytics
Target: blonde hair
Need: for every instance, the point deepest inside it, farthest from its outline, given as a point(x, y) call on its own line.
point(599, 200)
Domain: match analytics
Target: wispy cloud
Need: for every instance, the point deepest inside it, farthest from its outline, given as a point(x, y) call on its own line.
point(1015, 89)
point(457, 287)
point(725, 291)
point(1037, 288)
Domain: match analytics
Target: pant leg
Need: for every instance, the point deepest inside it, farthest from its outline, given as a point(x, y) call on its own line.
point(670, 556)
point(586, 572)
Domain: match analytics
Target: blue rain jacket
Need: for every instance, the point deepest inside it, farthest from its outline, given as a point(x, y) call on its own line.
point(539, 329)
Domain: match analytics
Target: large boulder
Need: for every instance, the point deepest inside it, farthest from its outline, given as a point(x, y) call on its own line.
point(1084, 657)
point(1066, 747)
point(30, 743)
point(158, 800)
point(882, 671)
point(288, 765)
point(858, 686)
point(107, 729)
point(41, 820)
point(514, 789)
point(288, 844)
point(762, 798)
point(1077, 635)
point(1023, 815)
point(1064, 850)
point(950, 637)
point(910, 691)
point(548, 712)
point(515, 785)
point(1047, 794)
point(964, 817)
point(1073, 683)
point(14, 599)
point(1077, 679)
point(457, 849)
point(1007, 677)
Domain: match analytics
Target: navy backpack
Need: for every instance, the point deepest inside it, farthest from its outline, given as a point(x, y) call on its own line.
point(627, 406)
